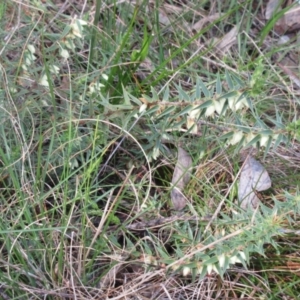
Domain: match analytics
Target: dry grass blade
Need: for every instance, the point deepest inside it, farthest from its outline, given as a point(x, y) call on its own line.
point(85, 176)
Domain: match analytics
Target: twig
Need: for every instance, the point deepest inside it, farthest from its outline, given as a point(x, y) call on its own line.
point(162, 221)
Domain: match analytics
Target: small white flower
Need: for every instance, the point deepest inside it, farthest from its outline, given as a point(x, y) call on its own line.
point(201, 154)
point(234, 259)
point(236, 138)
point(236, 104)
point(147, 259)
point(44, 103)
point(211, 268)
point(231, 102)
point(31, 56)
point(210, 111)
point(28, 61)
point(219, 105)
point(241, 104)
point(165, 136)
point(194, 113)
point(215, 269)
point(81, 22)
point(144, 206)
point(249, 137)
point(199, 269)
point(73, 164)
point(143, 107)
point(155, 153)
point(31, 48)
point(104, 76)
point(13, 90)
point(222, 259)
point(242, 255)
point(97, 86)
point(186, 271)
point(44, 81)
point(54, 69)
point(264, 140)
point(76, 27)
point(64, 53)
point(70, 44)
point(190, 122)
point(175, 267)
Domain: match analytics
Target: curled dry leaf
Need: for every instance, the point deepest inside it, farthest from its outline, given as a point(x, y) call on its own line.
point(254, 177)
point(208, 19)
point(271, 7)
point(289, 22)
point(181, 177)
point(228, 40)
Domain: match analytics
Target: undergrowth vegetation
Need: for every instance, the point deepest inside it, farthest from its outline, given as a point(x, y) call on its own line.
point(96, 98)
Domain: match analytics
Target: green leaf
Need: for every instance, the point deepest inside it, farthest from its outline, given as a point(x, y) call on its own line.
point(268, 147)
point(203, 87)
point(186, 110)
point(167, 112)
point(198, 89)
point(140, 55)
point(218, 85)
point(253, 141)
point(229, 80)
point(278, 141)
point(270, 24)
point(182, 94)
point(152, 110)
point(206, 104)
point(226, 136)
point(166, 94)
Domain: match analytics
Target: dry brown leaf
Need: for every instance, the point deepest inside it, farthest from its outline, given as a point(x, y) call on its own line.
point(290, 21)
point(228, 40)
point(293, 77)
point(166, 11)
point(254, 177)
point(271, 8)
point(292, 18)
point(164, 19)
point(200, 24)
point(25, 81)
point(181, 177)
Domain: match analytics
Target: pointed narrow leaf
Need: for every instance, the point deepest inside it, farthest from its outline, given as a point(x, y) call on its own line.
point(166, 94)
point(268, 147)
point(218, 85)
point(204, 89)
point(185, 111)
point(253, 141)
point(198, 89)
point(166, 112)
point(206, 104)
point(227, 135)
point(229, 80)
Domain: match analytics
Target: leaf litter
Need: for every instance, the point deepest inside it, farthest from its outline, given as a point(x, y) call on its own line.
point(254, 177)
point(180, 179)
